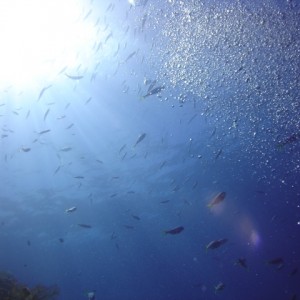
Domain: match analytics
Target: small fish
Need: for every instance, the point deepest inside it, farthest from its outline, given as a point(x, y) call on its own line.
point(241, 262)
point(278, 262)
point(61, 240)
point(294, 271)
point(151, 85)
point(71, 209)
point(162, 164)
point(213, 132)
point(192, 118)
point(110, 7)
point(219, 287)
point(164, 201)
point(84, 225)
point(107, 38)
point(57, 169)
point(24, 149)
point(62, 70)
point(88, 100)
point(87, 15)
point(113, 195)
point(78, 177)
point(290, 139)
point(122, 148)
point(176, 188)
point(218, 153)
point(70, 126)
point(98, 47)
point(136, 217)
point(216, 244)
point(139, 139)
point(28, 243)
point(43, 91)
point(46, 114)
point(8, 130)
point(154, 91)
point(4, 135)
point(74, 77)
point(66, 149)
point(44, 131)
point(130, 56)
point(113, 236)
point(175, 230)
point(217, 199)
point(93, 76)
point(144, 19)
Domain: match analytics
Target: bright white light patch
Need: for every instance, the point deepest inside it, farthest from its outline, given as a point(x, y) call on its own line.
point(40, 37)
point(132, 2)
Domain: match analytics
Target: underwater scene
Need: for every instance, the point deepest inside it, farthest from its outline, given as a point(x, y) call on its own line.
point(149, 149)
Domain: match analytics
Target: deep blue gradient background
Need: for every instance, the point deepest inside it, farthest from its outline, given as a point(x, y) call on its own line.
point(201, 139)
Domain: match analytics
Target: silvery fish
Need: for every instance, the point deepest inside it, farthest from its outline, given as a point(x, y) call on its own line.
point(140, 138)
point(71, 209)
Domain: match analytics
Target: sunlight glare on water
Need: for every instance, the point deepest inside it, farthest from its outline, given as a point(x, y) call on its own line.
point(39, 38)
point(132, 2)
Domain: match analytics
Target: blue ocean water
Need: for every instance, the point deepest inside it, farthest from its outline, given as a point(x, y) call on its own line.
point(174, 103)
